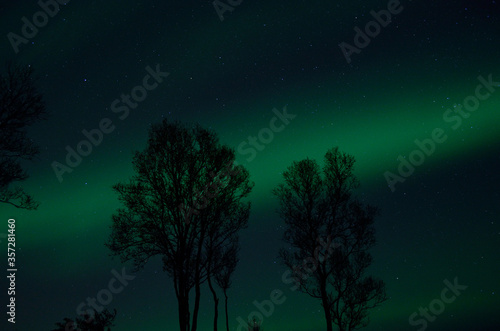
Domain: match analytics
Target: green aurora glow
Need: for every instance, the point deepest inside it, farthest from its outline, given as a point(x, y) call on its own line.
point(441, 223)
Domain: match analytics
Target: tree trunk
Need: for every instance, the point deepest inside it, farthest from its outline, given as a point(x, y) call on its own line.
point(197, 281)
point(326, 307)
point(196, 303)
point(183, 303)
point(225, 306)
point(216, 302)
point(197, 277)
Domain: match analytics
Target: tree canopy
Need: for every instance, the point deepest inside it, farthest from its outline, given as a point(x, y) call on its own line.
point(99, 321)
point(329, 232)
point(20, 106)
point(184, 203)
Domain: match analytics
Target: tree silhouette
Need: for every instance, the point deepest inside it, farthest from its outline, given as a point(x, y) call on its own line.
point(222, 259)
point(225, 271)
point(221, 249)
point(254, 326)
point(329, 233)
point(20, 106)
point(102, 321)
point(180, 167)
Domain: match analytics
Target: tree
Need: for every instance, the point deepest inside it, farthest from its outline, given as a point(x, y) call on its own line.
point(221, 249)
point(317, 204)
point(186, 188)
point(102, 321)
point(222, 260)
point(254, 326)
point(20, 106)
point(225, 271)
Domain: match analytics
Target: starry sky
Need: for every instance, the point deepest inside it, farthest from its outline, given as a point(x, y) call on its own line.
point(426, 70)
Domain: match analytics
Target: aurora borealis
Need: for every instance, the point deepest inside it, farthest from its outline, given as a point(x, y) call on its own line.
point(235, 76)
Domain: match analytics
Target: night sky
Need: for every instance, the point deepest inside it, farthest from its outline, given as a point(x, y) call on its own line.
point(418, 78)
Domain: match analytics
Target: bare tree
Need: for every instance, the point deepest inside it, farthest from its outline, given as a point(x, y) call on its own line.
point(222, 260)
point(221, 249)
point(20, 106)
point(317, 206)
point(254, 325)
point(225, 271)
point(102, 321)
point(186, 186)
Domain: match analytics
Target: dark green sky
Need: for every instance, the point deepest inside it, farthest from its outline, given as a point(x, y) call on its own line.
point(441, 223)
